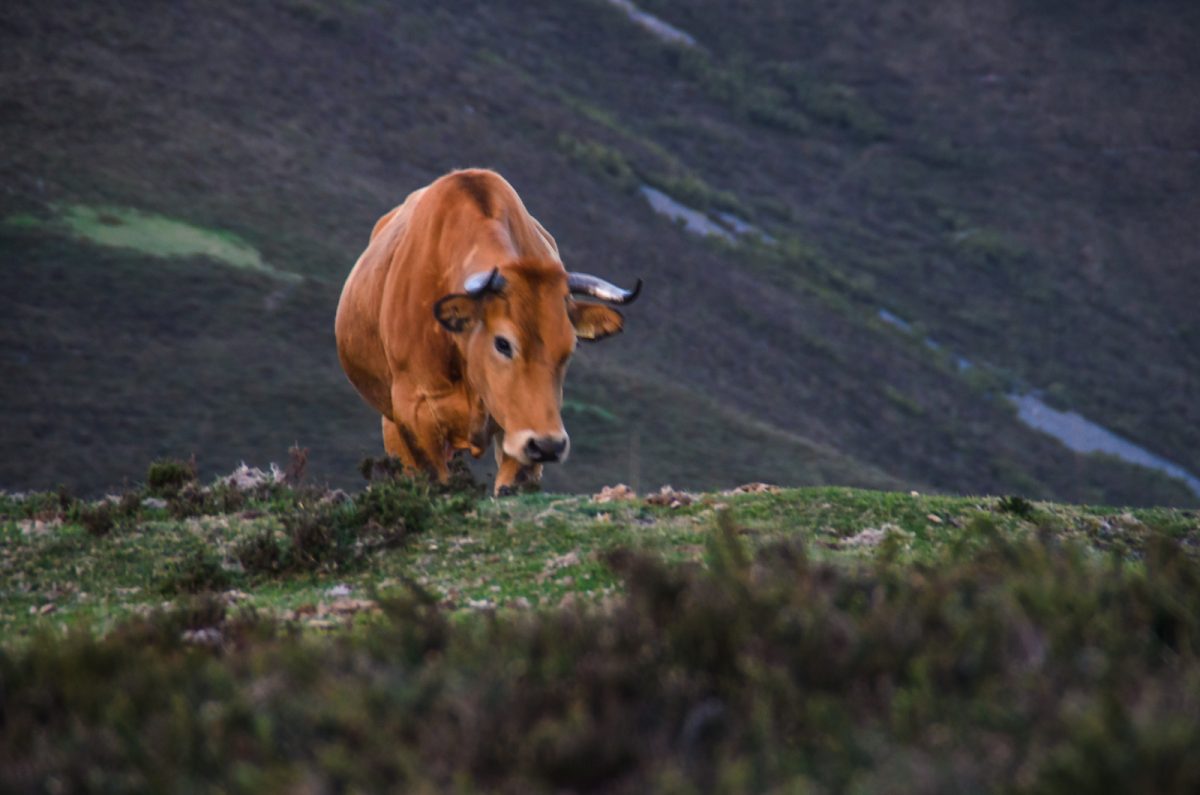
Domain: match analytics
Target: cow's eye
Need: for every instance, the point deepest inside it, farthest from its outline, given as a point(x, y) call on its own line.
point(504, 347)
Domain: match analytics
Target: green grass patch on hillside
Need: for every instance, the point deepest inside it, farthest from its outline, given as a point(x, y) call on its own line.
point(830, 640)
point(602, 162)
point(782, 96)
point(147, 233)
point(584, 409)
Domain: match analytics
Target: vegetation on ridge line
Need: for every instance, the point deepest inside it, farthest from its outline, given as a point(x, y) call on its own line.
point(1007, 662)
point(280, 546)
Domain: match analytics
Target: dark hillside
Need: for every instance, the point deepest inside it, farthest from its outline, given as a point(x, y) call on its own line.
point(948, 167)
point(1059, 145)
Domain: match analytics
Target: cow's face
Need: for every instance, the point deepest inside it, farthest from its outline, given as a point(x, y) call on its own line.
point(517, 340)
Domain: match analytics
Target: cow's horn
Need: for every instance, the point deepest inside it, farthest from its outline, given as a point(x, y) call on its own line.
point(583, 284)
point(484, 282)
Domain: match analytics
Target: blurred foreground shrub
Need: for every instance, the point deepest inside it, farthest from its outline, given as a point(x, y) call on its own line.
point(1023, 666)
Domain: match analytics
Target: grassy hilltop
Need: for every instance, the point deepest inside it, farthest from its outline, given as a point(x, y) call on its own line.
point(186, 187)
point(254, 635)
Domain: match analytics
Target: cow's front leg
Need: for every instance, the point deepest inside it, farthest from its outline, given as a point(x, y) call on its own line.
point(514, 474)
point(396, 446)
point(420, 434)
point(511, 473)
point(414, 451)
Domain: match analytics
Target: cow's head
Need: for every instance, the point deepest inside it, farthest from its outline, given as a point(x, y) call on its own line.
point(517, 328)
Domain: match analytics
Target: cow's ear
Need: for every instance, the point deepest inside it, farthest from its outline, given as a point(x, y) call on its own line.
point(457, 312)
point(595, 321)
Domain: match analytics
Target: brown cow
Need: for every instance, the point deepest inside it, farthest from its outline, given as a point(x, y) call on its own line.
point(457, 324)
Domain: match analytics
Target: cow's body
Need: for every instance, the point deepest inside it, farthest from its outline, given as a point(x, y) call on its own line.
point(439, 391)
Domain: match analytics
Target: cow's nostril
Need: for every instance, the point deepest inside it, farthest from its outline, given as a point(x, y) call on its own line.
point(548, 448)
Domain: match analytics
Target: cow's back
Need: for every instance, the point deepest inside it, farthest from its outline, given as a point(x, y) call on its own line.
point(420, 251)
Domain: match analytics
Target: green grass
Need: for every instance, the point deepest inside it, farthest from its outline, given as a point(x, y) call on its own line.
point(600, 161)
point(147, 234)
point(582, 408)
point(796, 640)
point(530, 551)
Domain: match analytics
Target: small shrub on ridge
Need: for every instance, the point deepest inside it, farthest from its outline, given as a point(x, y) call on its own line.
point(167, 476)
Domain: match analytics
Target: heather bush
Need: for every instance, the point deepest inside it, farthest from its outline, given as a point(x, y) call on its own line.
point(1009, 665)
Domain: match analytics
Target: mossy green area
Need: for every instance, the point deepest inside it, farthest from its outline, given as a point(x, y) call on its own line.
point(256, 636)
point(145, 234)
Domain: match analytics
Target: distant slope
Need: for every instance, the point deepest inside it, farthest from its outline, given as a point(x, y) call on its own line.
point(294, 125)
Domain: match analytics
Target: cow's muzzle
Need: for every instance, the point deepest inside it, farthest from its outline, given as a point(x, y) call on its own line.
point(545, 449)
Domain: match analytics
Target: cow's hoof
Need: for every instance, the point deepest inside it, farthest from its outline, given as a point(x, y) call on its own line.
point(506, 491)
